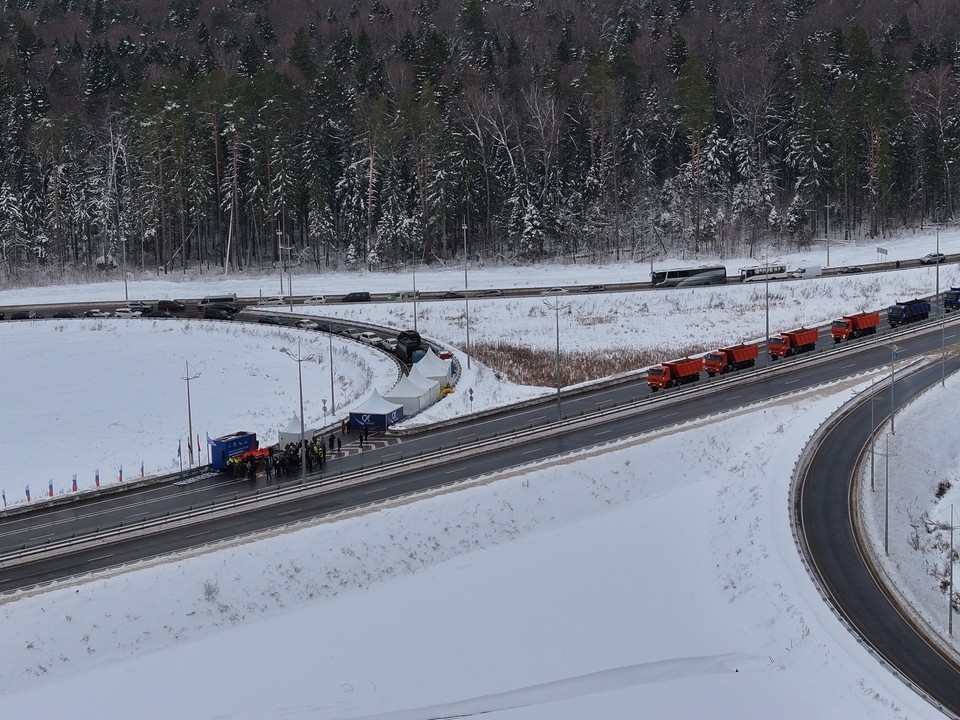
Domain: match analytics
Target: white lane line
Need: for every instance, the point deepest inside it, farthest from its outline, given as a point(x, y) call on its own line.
point(100, 557)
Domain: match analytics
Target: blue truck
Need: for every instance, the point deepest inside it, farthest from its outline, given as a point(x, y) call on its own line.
point(908, 311)
point(228, 446)
point(951, 299)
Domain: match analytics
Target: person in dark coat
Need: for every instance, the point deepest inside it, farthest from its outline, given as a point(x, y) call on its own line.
point(268, 466)
point(366, 433)
point(330, 441)
point(338, 445)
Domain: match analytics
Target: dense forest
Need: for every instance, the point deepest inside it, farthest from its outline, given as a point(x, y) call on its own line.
point(376, 133)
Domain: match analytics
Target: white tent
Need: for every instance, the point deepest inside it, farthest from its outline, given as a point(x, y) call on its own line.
point(434, 368)
point(291, 433)
point(415, 392)
point(375, 412)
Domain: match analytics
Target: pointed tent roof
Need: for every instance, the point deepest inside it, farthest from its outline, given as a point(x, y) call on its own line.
point(293, 426)
point(376, 405)
point(407, 387)
point(418, 378)
point(432, 362)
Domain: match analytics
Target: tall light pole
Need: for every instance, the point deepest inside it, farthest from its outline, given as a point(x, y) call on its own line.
point(414, 293)
point(938, 273)
point(123, 244)
point(300, 359)
point(188, 377)
point(886, 497)
point(828, 230)
point(333, 404)
point(766, 294)
point(466, 293)
point(893, 356)
point(556, 305)
point(288, 248)
point(950, 593)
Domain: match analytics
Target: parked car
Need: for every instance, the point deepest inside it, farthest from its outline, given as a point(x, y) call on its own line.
point(270, 320)
point(595, 288)
point(96, 313)
point(933, 258)
point(371, 338)
point(315, 300)
point(390, 344)
point(139, 306)
point(274, 301)
point(126, 312)
point(404, 295)
point(2, 316)
point(353, 333)
point(451, 295)
point(849, 270)
point(308, 324)
point(213, 313)
point(171, 306)
point(554, 291)
point(491, 293)
point(27, 315)
point(63, 314)
point(356, 297)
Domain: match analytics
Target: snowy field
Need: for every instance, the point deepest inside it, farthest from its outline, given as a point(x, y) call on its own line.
point(658, 573)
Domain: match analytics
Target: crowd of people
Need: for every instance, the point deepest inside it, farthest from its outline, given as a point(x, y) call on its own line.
point(279, 462)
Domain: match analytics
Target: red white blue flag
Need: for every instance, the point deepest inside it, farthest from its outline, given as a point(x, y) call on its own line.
point(141, 468)
point(96, 477)
point(51, 487)
point(74, 482)
point(121, 473)
point(27, 491)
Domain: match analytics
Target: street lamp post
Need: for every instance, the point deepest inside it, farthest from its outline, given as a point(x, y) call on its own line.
point(289, 264)
point(556, 305)
point(123, 244)
point(893, 356)
point(188, 377)
point(414, 294)
point(950, 593)
point(466, 293)
point(886, 497)
point(300, 359)
point(333, 404)
point(828, 231)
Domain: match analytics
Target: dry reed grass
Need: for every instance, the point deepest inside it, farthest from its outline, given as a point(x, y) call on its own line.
point(538, 367)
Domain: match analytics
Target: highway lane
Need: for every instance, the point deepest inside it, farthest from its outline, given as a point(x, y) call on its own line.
point(826, 507)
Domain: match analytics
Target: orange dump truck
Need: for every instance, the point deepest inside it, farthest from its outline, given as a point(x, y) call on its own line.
point(674, 372)
point(850, 327)
point(730, 358)
point(792, 342)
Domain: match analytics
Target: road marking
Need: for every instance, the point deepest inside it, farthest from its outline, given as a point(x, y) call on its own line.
point(100, 557)
point(196, 534)
point(288, 512)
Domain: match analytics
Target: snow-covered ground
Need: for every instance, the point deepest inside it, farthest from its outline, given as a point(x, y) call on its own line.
point(658, 573)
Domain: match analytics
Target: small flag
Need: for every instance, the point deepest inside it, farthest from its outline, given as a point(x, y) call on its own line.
point(4, 497)
point(199, 451)
point(51, 488)
point(190, 448)
point(179, 448)
point(121, 473)
point(141, 468)
point(27, 491)
point(74, 482)
point(96, 478)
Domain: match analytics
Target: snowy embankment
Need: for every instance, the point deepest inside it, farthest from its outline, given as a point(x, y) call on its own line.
point(656, 573)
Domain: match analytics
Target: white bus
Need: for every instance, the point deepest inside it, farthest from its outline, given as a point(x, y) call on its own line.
point(759, 273)
point(689, 277)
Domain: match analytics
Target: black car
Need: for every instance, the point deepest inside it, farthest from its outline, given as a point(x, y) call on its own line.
point(171, 305)
point(451, 295)
point(157, 314)
point(270, 320)
point(356, 297)
point(2, 316)
point(230, 308)
point(849, 270)
point(26, 315)
point(594, 288)
point(212, 313)
point(62, 314)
